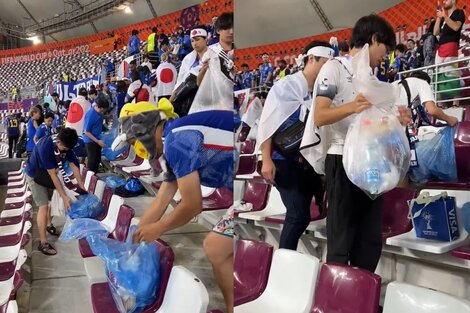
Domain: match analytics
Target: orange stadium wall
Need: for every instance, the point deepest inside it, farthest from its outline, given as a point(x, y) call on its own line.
point(408, 18)
point(101, 42)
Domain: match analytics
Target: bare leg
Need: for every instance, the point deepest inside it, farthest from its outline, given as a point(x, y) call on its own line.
point(49, 217)
point(219, 250)
point(42, 223)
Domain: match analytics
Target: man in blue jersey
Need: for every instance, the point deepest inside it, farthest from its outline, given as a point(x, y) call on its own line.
point(266, 72)
point(42, 170)
point(197, 151)
point(45, 129)
point(246, 77)
point(382, 69)
point(12, 124)
point(400, 64)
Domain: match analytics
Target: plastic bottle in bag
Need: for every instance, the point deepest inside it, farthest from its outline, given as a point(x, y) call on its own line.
point(372, 171)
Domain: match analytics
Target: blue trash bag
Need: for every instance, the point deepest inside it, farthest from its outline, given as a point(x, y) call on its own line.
point(133, 271)
point(86, 206)
point(108, 139)
point(466, 216)
point(436, 158)
point(113, 181)
point(81, 227)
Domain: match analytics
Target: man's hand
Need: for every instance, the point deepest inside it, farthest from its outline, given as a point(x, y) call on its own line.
point(404, 115)
point(441, 14)
point(67, 202)
point(100, 143)
point(452, 121)
point(147, 233)
point(268, 170)
point(360, 104)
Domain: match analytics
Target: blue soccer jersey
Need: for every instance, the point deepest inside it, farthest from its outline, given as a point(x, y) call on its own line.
point(201, 142)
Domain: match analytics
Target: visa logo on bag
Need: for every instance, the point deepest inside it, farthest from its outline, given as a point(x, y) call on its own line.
point(435, 217)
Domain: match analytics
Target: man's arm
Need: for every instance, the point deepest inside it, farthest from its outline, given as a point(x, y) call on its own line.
point(454, 25)
point(159, 205)
point(96, 140)
point(437, 26)
point(189, 207)
point(58, 186)
point(76, 173)
point(438, 113)
point(202, 72)
point(325, 114)
point(268, 170)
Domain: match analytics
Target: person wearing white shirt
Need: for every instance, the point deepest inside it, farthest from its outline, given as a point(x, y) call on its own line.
point(354, 221)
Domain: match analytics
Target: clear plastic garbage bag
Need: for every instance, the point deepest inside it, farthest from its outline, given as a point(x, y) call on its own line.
point(376, 154)
point(216, 89)
point(81, 227)
point(86, 206)
point(113, 182)
point(436, 158)
point(133, 271)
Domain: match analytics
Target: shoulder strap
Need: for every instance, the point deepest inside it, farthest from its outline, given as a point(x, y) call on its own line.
point(136, 93)
point(405, 85)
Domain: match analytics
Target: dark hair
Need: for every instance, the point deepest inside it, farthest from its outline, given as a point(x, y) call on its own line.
point(368, 26)
point(135, 75)
point(92, 92)
point(135, 32)
point(411, 40)
point(283, 62)
point(133, 62)
point(421, 75)
point(55, 94)
point(315, 43)
point(343, 46)
point(224, 21)
point(67, 103)
point(121, 86)
point(400, 47)
point(101, 102)
point(49, 115)
point(83, 92)
point(68, 136)
point(264, 53)
point(154, 29)
point(245, 65)
point(46, 104)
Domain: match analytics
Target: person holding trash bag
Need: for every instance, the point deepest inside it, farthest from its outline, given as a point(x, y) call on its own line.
point(198, 150)
point(353, 220)
point(42, 169)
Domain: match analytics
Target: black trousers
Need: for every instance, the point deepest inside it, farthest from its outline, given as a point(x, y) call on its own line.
point(297, 184)
point(354, 221)
point(12, 141)
point(93, 153)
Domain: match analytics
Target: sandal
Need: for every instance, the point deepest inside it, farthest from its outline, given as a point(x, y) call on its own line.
point(47, 249)
point(52, 230)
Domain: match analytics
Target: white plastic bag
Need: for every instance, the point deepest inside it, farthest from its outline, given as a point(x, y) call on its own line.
point(57, 204)
point(376, 153)
point(216, 89)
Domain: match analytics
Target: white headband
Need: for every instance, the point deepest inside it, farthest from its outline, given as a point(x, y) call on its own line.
point(198, 32)
point(320, 51)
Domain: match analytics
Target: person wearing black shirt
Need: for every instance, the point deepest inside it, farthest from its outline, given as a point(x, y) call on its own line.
point(448, 26)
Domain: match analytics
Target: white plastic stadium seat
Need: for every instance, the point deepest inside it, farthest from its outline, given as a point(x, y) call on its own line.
point(183, 284)
point(405, 298)
point(290, 287)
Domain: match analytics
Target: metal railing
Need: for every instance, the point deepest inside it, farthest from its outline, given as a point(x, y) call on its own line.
point(456, 74)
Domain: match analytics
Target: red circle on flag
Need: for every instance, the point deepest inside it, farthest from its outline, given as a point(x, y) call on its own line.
point(75, 113)
point(166, 76)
